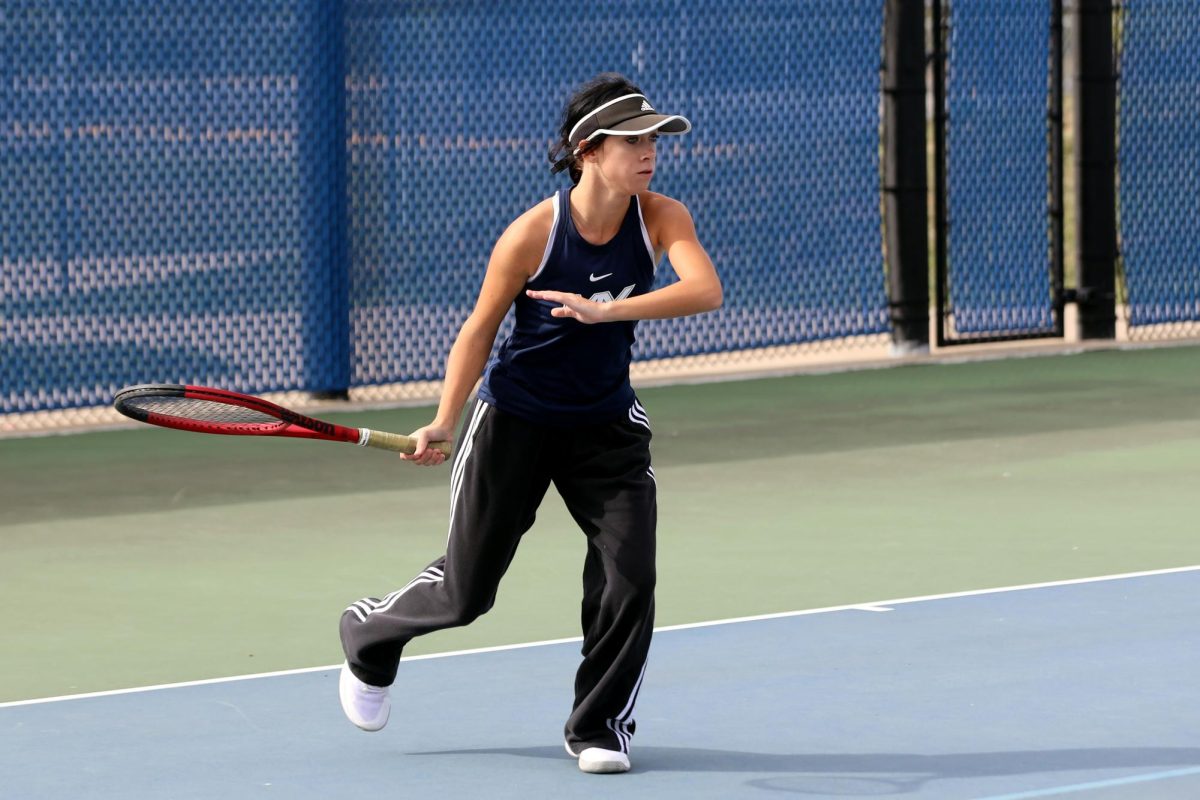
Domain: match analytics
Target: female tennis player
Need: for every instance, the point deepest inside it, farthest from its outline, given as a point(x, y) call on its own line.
point(556, 406)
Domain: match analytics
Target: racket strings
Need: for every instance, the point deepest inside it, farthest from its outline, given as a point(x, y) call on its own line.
point(201, 410)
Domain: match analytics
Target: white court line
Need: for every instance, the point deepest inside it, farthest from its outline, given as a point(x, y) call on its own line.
point(1087, 787)
point(880, 605)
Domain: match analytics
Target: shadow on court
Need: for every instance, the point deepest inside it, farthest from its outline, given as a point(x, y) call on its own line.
point(929, 767)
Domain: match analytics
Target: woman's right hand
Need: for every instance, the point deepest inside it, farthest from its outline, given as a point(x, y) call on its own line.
point(426, 456)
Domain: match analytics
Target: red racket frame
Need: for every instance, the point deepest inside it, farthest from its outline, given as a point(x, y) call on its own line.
point(291, 424)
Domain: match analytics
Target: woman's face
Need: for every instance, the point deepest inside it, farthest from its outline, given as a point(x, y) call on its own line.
point(626, 163)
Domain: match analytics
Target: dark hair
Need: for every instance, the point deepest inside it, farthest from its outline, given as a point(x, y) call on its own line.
point(587, 98)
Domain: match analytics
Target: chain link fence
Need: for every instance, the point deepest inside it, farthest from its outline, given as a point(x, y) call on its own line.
point(299, 198)
point(291, 195)
point(1158, 159)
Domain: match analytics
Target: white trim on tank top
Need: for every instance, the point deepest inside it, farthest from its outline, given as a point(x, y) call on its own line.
point(646, 236)
point(549, 242)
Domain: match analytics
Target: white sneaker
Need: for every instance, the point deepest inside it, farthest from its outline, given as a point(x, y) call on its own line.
point(365, 705)
point(598, 760)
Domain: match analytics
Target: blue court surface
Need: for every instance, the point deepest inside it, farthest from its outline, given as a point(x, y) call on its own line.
point(1085, 689)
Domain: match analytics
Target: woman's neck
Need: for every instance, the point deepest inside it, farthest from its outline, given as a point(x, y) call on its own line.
point(597, 210)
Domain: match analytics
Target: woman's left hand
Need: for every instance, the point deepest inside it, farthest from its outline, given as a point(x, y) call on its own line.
point(572, 305)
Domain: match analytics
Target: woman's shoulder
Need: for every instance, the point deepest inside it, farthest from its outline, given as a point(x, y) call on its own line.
point(658, 209)
point(536, 222)
point(526, 236)
point(656, 205)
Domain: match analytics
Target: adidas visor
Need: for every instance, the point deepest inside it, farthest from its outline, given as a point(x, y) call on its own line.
point(631, 115)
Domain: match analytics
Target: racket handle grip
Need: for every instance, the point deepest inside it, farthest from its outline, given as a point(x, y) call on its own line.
point(396, 441)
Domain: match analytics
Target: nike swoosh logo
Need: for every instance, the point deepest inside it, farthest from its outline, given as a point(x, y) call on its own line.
point(594, 278)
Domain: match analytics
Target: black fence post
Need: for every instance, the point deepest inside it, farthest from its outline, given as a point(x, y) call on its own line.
point(1057, 203)
point(905, 190)
point(1096, 170)
point(941, 224)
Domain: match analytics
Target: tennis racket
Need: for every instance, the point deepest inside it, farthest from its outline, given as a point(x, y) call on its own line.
point(205, 410)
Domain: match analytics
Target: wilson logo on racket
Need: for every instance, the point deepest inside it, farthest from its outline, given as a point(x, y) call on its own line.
point(201, 409)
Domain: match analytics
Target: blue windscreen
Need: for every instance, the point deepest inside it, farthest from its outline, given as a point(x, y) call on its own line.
point(453, 108)
point(164, 179)
point(997, 168)
point(1159, 160)
point(302, 194)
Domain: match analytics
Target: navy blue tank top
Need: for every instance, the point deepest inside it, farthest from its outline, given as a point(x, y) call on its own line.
point(558, 370)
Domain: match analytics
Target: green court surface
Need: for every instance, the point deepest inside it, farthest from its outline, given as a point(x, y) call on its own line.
point(148, 556)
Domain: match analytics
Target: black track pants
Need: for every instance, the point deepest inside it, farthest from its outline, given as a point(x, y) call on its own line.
point(501, 472)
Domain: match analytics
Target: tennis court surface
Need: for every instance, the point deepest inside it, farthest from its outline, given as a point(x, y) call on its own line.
point(1033, 692)
point(141, 558)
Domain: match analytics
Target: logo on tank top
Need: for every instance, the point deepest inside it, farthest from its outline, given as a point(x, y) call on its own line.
point(607, 297)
